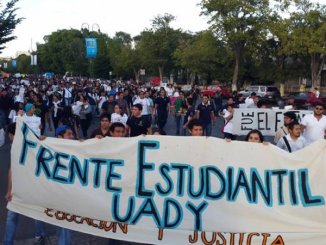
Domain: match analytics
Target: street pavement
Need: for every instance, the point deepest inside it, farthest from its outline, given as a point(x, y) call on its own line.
point(25, 230)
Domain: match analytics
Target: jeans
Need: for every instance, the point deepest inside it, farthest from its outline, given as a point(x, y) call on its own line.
point(10, 228)
point(207, 128)
point(162, 117)
point(3, 118)
point(11, 225)
point(67, 101)
point(64, 236)
point(178, 122)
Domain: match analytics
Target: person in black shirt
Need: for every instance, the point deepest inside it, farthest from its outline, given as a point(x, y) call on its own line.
point(162, 107)
point(190, 114)
point(205, 114)
point(137, 123)
point(104, 129)
point(108, 106)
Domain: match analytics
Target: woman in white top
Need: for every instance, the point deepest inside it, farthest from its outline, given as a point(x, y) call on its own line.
point(32, 121)
point(117, 116)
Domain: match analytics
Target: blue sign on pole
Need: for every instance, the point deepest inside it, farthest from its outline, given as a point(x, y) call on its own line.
point(91, 47)
point(14, 63)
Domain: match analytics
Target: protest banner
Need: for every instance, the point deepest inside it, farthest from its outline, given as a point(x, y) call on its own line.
point(172, 190)
point(268, 121)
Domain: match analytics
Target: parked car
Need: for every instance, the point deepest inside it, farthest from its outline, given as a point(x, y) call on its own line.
point(303, 100)
point(267, 92)
point(211, 90)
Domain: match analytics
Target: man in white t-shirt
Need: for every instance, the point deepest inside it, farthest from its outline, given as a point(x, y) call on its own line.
point(32, 121)
point(314, 125)
point(292, 141)
point(145, 103)
point(67, 95)
point(169, 90)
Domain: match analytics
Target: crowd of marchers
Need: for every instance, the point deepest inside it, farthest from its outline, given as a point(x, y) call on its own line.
point(66, 110)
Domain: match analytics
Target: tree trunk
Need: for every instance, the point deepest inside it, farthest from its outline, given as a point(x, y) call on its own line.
point(160, 70)
point(317, 63)
point(137, 77)
point(238, 53)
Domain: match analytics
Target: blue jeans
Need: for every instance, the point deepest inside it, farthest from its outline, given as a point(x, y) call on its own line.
point(207, 128)
point(11, 225)
point(178, 122)
point(3, 118)
point(64, 236)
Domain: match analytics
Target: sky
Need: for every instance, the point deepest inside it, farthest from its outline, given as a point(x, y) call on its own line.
point(42, 17)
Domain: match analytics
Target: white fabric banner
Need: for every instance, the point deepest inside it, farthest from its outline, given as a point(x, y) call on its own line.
point(172, 190)
point(268, 121)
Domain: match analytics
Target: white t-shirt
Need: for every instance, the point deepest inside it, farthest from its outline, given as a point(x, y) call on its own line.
point(228, 128)
point(145, 103)
point(294, 145)
point(12, 116)
point(115, 117)
point(249, 101)
point(169, 91)
point(34, 123)
point(68, 92)
point(101, 101)
point(315, 129)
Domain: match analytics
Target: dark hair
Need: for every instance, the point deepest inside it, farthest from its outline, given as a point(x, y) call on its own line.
point(193, 123)
point(11, 128)
point(292, 124)
point(139, 106)
point(255, 131)
point(116, 125)
point(319, 103)
point(105, 115)
point(190, 101)
point(261, 103)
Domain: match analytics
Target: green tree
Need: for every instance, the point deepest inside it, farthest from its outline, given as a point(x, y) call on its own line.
point(63, 50)
point(158, 44)
point(203, 55)
point(238, 23)
point(308, 36)
point(8, 23)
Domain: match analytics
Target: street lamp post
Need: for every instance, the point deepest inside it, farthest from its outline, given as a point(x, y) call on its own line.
point(91, 45)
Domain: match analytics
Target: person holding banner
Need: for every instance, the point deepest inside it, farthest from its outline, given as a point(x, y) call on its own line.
point(292, 141)
point(255, 136)
point(195, 127)
point(64, 235)
point(228, 126)
point(12, 217)
point(289, 117)
point(314, 125)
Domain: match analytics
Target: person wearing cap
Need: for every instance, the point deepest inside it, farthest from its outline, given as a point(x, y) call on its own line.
point(289, 117)
point(32, 121)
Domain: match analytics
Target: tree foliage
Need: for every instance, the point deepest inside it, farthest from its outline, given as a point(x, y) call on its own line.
point(8, 23)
